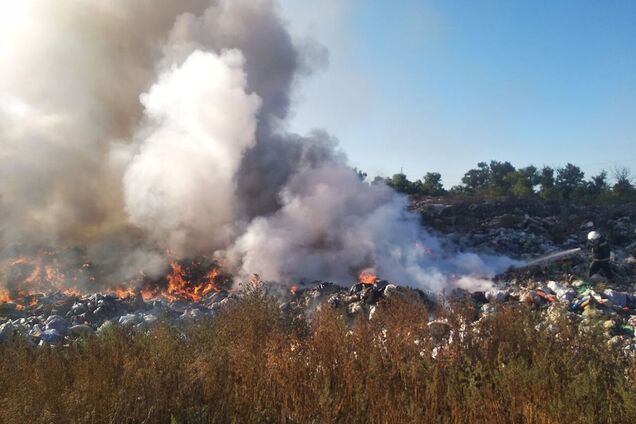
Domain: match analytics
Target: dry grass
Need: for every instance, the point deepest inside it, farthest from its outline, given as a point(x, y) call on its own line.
point(256, 364)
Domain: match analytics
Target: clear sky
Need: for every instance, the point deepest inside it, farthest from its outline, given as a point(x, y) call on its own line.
point(440, 85)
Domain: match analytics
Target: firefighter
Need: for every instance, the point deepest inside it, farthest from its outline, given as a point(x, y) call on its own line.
point(600, 251)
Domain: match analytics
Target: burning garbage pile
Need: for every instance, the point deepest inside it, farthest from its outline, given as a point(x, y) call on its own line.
point(193, 290)
point(28, 278)
point(191, 156)
point(43, 304)
point(45, 307)
point(172, 136)
point(48, 301)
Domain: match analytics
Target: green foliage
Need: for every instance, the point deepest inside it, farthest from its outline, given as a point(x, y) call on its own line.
point(598, 184)
point(431, 184)
point(521, 182)
point(400, 183)
point(546, 183)
point(624, 186)
point(378, 180)
point(476, 180)
point(459, 190)
point(569, 181)
point(502, 179)
point(499, 177)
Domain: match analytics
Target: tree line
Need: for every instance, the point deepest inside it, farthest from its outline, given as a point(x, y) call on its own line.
point(502, 179)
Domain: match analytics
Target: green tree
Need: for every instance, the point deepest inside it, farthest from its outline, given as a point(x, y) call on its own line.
point(546, 182)
point(431, 184)
point(459, 190)
point(569, 180)
point(379, 180)
point(400, 183)
point(522, 182)
point(477, 179)
point(598, 184)
point(624, 186)
point(499, 182)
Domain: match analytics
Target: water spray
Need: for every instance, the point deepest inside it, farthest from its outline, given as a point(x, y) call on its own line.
point(549, 258)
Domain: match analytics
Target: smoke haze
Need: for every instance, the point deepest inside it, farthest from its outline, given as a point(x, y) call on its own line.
point(130, 128)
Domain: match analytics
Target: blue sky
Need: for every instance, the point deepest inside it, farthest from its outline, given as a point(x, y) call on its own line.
point(440, 85)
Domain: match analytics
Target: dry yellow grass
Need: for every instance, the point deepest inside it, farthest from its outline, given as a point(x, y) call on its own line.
point(254, 363)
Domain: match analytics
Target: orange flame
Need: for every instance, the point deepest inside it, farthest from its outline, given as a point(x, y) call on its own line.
point(42, 274)
point(147, 294)
point(72, 292)
point(180, 287)
point(32, 275)
point(123, 293)
point(53, 274)
point(367, 277)
point(4, 297)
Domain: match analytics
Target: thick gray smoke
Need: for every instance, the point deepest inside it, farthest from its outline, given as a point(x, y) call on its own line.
point(131, 127)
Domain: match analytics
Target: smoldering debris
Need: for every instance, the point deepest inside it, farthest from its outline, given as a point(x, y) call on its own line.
point(195, 290)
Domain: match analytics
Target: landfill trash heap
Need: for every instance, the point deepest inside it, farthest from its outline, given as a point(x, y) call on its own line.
point(523, 230)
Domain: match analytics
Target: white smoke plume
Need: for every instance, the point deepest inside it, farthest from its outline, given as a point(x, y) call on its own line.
point(332, 226)
point(180, 185)
point(131, 127)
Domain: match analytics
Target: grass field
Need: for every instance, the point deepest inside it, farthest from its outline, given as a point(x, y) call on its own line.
point(253, 363)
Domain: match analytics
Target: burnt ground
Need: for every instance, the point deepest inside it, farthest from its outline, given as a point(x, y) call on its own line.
point(558, 222)
point(529, 229)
